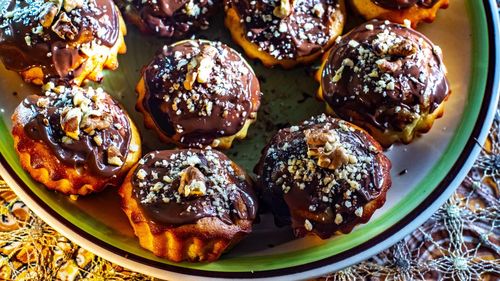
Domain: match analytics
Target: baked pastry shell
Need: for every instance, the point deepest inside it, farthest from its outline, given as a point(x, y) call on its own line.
point(233, 22)
point(369, 10)
point(205, 240)
point(368, 209)
point(386, 138)
point(41, 163)
point(99, 57)
point(224, 142)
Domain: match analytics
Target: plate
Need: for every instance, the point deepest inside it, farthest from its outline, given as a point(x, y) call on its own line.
point(435, 163)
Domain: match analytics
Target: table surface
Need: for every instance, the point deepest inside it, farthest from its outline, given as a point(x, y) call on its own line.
point(461, 241)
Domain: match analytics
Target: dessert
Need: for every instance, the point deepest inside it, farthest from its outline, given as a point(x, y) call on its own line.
point(285, 32)
point(416, 11)
point(387, 78)
point(188, 204)
point(323, 176)
point(197, 93)
point(74, 140)
point(68, 40)
point(169, 18)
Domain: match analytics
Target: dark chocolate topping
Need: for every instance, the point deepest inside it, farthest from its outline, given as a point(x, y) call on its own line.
point(83, 128)
point(177, 187)
point(223, 92)
point(287, 32)
point(319, 175)
point(54, 35)
point(169, 18)
point(404, 4)
point(384, 74)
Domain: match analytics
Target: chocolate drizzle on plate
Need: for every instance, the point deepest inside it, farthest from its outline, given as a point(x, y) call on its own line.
point(384, 74)
point(199, 91)
point(54, 35)
point(177, 187)
point(318, 176)
point(287, 29)
point(83, 128)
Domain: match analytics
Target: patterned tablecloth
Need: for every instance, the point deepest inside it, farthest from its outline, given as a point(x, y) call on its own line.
point(461, 241)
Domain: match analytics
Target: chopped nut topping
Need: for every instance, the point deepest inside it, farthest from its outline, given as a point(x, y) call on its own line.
point(66, 140)
point(308, 225)
point(204, 69)
point(338, 219)
point(403, 48)
point(284, 9)
point(95, 120)
point(192, 182)
point(200, 67)
point(318, 10)
point(49, 17)
point(49, 86)
point(326, 146)
point(114, 156)
point(79, 99)
point(70, 5)
point(388, 66)
point(59, 89)
point(359, 212)
point(42, 102)
point(64, 28)
point(192, 9)
point(141, 174)
point(98, 140)
point(190, 78)
point(70, 122)
point(167, 179)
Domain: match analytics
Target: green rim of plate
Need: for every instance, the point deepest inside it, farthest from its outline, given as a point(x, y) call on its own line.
point(334, 246)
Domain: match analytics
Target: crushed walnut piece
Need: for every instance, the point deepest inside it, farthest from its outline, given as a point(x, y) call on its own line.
point(325, 145)
point(202, 182)
point(284, 9)
point(403, 48)
point(83, 115)
point(64, 27)
point(200, 67)
point(192, 182)
point(114, 156)
point(50, 14)
point(70, 122)
point(70, 5)
point(95, 120)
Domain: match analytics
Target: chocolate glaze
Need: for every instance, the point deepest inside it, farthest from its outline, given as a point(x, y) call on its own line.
point(25, 43)
point(169, 18)
point(404, 4)
point(305, 31)
point(295, 195)
point(409, 82)
point(229, 192)
point(210, 110)
point(44, 124)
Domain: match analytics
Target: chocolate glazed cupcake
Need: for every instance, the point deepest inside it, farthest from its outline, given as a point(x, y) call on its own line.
point(75, 140)
point(323, 176)
point(415, 11)
point(285, 32)
point(169, 18)
point(188, 204)
point(197, 93)
point(386, 78)
point(70, 40)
